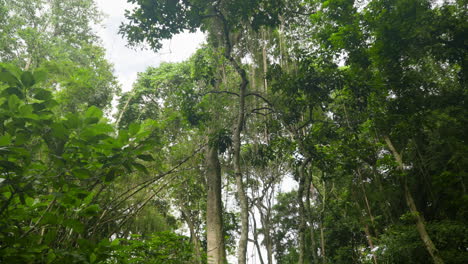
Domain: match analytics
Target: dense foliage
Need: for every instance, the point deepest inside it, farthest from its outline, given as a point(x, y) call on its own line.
point(301, 132)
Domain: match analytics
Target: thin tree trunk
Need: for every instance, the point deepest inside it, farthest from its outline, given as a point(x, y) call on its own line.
point(193, 235)
point(322, 243)
point(322, 235)
point(265, 65)
point(242, 248)
point(265, 81)
point(266, 227)
point(420, 223)
point(366, 200)
point(236, 141)
point(214, 223)
point(309, 187)
point(302, 214)
point(268, 242)
point(255, 241)
point(371, 243)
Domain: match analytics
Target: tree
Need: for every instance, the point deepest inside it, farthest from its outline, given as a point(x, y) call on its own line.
point(57, 36)
point(158, 20)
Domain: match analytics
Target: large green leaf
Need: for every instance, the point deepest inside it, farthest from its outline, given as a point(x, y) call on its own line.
point(81, 173)
point(8, 78)
point(27, 79)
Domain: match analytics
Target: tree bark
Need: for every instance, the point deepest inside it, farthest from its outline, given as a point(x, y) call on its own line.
point(242, 248)
point(309, 188)
point(193, 235)
point(255, 240)
point(236, 141)
point(266, 229)
point(302, 214)
point(370, 242)
point(214, 222)
point(322, 228)
point(420, 223)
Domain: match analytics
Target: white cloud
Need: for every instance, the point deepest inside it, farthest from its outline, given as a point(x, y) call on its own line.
point(129, 62)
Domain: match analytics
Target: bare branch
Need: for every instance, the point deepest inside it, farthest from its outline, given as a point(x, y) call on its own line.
point(261, 97)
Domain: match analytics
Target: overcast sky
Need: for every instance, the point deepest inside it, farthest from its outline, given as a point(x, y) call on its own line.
point(128, 62)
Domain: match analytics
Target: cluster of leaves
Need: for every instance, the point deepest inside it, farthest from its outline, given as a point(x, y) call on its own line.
point(401, 81)
point(57, 36)
point(54, 172)
point(162, 247)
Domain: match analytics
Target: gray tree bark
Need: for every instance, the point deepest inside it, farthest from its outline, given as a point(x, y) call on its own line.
point(214, 222)
point(236, 139)
point(302, 213)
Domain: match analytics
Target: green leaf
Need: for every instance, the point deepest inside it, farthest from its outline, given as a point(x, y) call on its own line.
point(40, 76)
point(123, 137)
point(7, 195)
point(27, 79)
point(9, 165)
point(42, 94)
point(22, 137)
point(140, 167)
point(5, 140)
point(146, 157)
point(59, 131)
point(72, 121)
point(115, 242)
point(110, 175)
point(90, 210)
point(92, 258)
point(89, 198)
point(50, 218)
point(81, 173)
point(13, 102)
point(133, 129)
point(12, 90)
point(29, 201)
point(8, 78)
point(76, 225)
point(93, 112)
point(26, 111)
point(12, 69)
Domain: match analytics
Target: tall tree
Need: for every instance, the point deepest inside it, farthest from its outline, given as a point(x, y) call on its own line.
point(149, 23)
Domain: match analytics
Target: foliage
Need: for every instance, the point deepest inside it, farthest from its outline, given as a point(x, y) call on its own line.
point(57, 36)
point(54, 170)
point(164, 247)
point(362, 103)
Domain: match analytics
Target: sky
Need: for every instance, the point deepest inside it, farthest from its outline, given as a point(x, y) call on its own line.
point(128, 62)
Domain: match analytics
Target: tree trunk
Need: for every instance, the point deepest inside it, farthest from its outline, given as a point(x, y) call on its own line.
point(255, 241)
point(236, 140)
point(302, 214)
point(370, 242)
point(309, 188)
point(242, 248)
point(420, 223)
point(322, 228)
point(214, 222)
point(266, 230)
point(193, 235)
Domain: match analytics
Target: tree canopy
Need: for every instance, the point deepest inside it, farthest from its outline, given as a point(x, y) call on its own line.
point(300, 132)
